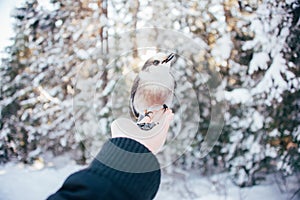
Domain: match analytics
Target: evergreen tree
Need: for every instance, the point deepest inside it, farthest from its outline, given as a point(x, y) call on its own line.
point(258, 78)
point(57, 44)
point(69, 72)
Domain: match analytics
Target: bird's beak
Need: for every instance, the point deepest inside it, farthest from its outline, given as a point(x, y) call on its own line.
point(169, 58)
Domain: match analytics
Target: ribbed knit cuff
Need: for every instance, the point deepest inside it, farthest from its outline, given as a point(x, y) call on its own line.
point(130, 165)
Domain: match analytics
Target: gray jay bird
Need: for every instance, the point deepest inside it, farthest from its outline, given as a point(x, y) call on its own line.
point(152, 88)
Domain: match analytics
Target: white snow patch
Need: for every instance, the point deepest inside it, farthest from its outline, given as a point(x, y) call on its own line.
point(82, 54)
point(259, 61)
point(271, 151)
point(25, 182)
point(274, 133)
point(255, 148)
point(46, 4)
point(216, 187)
point(222, 49)
point(239, 95)
point(258, 121)
point(273, 77)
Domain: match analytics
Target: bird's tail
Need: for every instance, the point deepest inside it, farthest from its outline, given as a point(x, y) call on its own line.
point(133, 113)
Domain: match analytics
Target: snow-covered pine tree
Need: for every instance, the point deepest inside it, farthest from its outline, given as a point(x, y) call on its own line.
point(15, 85)
point(64, 49)
point(258, 77)
point(284, 128)
point(72, 55)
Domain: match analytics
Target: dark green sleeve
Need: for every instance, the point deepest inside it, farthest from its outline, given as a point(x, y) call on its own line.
point(123, 169)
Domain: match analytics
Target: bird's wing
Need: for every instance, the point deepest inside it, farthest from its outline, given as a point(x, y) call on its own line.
point(175, 83)
point(133, 112)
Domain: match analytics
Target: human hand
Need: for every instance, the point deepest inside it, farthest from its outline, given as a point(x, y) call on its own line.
point(153, 139)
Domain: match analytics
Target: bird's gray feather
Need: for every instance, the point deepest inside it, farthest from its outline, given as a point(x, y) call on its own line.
point(134, 87)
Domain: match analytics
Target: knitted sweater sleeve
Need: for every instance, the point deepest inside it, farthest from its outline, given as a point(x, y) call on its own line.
point(123, 169)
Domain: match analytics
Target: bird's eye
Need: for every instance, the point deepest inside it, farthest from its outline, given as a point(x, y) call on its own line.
point(156, 62)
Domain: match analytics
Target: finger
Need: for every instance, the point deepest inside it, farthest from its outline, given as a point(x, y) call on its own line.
point(170, 116)
point(166, 120)
point(123, 127)
point(160, 115)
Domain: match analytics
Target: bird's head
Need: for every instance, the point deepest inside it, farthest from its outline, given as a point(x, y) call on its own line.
point(160, 60)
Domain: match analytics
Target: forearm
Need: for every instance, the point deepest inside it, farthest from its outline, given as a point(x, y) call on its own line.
point(123, 169)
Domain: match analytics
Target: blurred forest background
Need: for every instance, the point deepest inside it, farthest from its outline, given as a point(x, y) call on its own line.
point(59, 51)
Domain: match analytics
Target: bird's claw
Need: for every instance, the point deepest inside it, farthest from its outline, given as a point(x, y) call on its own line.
point(144, 121)
point(165, 107)
point(147, 114)
point(147, 126)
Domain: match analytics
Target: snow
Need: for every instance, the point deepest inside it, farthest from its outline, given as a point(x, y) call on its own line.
point(259, 61)
point(267, 77)
point(6, 24)
point(35, 182)
point(268, 45)
point(239, 95)
point(82, 54)
point(23, 182)
point(274, 133)
point(258, 121)
point(255, 148)
point(222, 50)
point(270, 151)
point(273, 77)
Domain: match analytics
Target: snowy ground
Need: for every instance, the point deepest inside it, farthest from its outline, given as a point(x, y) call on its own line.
point(24, 182)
